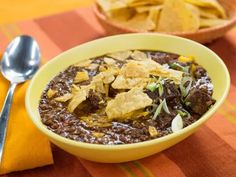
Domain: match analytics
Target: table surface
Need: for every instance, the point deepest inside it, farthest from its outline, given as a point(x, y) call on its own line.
point(63, 31)
point(19, 10)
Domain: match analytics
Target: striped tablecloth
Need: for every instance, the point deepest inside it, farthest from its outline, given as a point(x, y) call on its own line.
point(210, 152)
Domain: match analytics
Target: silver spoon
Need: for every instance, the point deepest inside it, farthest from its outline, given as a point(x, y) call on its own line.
point(19, 63)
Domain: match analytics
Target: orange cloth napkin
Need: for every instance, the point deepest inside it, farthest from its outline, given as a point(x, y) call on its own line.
point(25, 146)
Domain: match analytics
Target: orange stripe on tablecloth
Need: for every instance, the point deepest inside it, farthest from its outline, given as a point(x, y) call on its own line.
point(161, 166)
point(3, 40)
point(204, 154)
point(225, 48)
point(68, 29)
point(88, 15)
point(6, 32)
point(48, 48)
point(104, 170)
point(227, 114)
point(223, 128)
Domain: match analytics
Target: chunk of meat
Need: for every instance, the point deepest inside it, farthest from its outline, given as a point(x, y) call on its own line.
point(199, 100)
point(170, 91)
point(200, 72)
point(94, 99)
point(163, 58)
point(164, 121)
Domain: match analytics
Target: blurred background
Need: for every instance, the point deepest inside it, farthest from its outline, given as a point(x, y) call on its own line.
point(17, 10)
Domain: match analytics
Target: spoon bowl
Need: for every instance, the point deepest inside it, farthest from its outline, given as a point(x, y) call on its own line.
point(21, 59)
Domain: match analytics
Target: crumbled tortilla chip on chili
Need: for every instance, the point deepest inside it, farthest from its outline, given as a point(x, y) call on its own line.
point(103, 78)
point(64, 98)
point(177, 17)
point(109, 61)
point(138, 55)
point(152, 131)
point(122, 82)
point(83, 63)
point(127, 102)
point(81, 76)
point(134, 69)
point(98, 83)
point(51, 93)
point(108, 77)
point(93, 66)
point(78, 98)
point(158, 70)
point(122, 55)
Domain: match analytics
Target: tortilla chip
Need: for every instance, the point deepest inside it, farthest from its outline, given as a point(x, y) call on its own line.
point(152, 131)
point(83, 63)
point(78, 98)
point(108, 5)
point(158, 70)
point(154, 14)
point(81, 76)
point(206, 13)
point(64, 98)
point(123, 55)
point(134, 70)
point(127, 102)
point(212, 22)
point(138, 55)
point(122, 82)
point(121, 15)
point(51, 93)
point(135, 3)
point(93, 66)
point(210, 4)
point(177, 17)
point(109, 61)
point(140, 22)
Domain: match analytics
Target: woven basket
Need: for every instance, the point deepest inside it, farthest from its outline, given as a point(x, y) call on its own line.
point(205, 35)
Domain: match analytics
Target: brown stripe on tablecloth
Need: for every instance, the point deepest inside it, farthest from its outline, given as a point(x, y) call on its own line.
point(194, 155)
point(68, 29)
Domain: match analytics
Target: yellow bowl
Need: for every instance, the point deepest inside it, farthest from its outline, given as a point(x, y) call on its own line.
point(121, 153)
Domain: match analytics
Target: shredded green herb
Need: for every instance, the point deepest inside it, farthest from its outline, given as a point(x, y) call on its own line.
point(185, 90)
point(184, 113)
point(160, 89)
point(177, 66)
point(152, 86)
point(162, 105)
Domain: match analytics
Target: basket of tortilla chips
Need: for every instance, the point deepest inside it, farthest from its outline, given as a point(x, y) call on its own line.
point(199, 20)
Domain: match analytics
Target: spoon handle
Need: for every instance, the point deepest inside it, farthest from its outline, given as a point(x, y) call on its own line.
point(4, 117)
